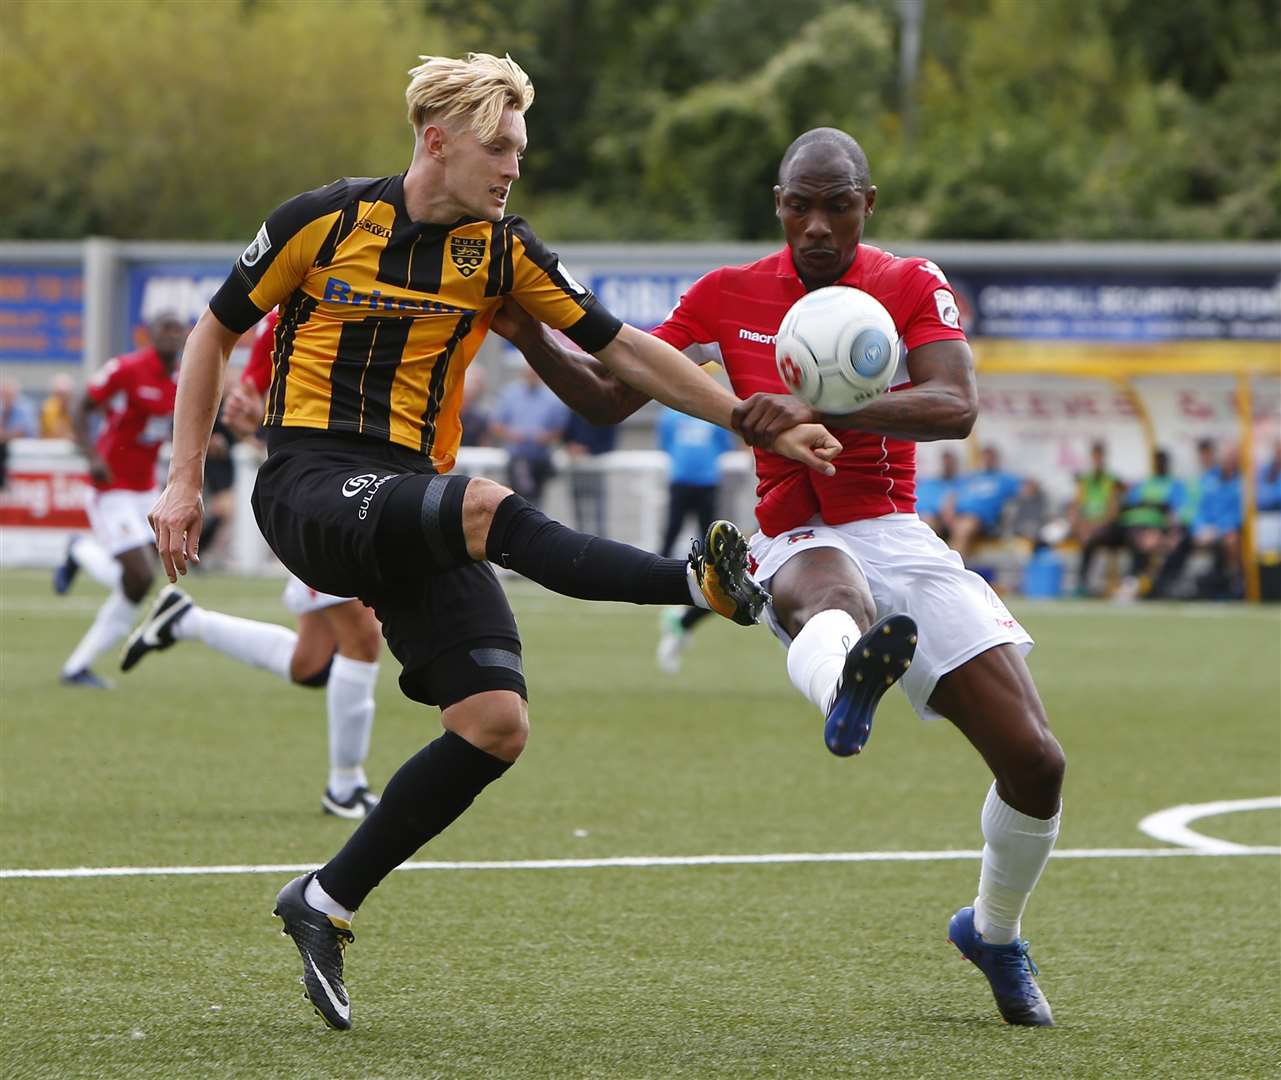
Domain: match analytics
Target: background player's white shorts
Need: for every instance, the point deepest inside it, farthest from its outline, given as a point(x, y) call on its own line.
point(119, 519)
point(300, 598)
point(910, 571)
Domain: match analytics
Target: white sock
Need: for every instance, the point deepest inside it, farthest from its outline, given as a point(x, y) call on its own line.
point(323, 902)
point(264, 645)
point(96, 561)
point(696, 596)
point(349, 700)
point(817, 655)
point(1015, 850)
point(114, 620)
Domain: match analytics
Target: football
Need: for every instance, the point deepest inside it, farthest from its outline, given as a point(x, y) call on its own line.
point(837, 349)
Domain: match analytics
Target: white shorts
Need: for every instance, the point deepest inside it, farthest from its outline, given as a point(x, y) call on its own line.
point(910, 571)
point(302, 599)
point(119, 519)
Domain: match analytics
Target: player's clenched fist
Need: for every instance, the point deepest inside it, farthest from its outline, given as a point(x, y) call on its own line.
point(177, 519)
point(762, 418)
point(810, 444)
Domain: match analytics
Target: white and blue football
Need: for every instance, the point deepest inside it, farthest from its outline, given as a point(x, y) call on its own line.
point(837, 349)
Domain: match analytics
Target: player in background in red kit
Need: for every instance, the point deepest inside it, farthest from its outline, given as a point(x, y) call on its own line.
point(337, 645)
point(136, 391)
point(838, 552)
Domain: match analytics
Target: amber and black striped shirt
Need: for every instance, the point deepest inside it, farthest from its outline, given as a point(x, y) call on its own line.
point(380, 315)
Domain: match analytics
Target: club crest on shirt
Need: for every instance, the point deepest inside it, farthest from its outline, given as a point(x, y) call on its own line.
point(468, 253)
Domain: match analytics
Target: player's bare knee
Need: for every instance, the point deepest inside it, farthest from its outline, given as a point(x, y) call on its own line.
point(135, 584)
point(479, 503)
point(360, 638)
point(366, 646)
point(855, 600)
point(310, 668)
point(1035, 776)
point(494, 721)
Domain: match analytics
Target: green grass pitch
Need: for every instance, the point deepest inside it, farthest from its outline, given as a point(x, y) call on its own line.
point(1156, 967)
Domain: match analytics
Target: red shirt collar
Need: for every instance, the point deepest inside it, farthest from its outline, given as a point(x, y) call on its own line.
point(786, 267)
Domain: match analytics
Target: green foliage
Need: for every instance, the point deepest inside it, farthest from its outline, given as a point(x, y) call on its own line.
point(657, 119)
point(185, 121)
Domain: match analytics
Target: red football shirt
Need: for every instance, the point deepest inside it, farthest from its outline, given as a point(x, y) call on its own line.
point(738, 309)
point(257, 371)
point(139, 392)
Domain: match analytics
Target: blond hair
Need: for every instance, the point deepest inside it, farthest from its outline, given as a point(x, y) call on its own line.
point(479, 86)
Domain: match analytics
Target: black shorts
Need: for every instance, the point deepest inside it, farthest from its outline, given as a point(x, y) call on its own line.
point(320, 501)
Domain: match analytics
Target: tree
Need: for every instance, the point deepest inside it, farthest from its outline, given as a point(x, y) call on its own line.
point(187, 121)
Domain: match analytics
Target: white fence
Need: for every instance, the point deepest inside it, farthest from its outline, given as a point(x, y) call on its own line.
point(42, 505)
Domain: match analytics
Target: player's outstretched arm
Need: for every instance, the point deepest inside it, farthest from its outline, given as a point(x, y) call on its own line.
point(652, 366)
point(178, 515)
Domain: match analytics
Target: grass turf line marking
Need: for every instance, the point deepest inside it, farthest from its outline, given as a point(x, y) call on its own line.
point(1171, 826)
point(635, 862)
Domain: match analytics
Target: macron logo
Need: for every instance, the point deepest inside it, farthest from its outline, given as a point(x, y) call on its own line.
point(753, 335)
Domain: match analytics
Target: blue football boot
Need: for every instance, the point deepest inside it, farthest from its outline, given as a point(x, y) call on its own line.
point(875, 663)
point(1008, 968)
point(65, 572)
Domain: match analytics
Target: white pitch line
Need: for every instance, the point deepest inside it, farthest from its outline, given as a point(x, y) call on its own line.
point(633, 862)
point(1171, 826)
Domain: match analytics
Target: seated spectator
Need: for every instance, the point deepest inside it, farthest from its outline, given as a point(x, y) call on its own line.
point(55, 413)
point(1215, 527)
point(475, 416)
point(936, 496)
point(1267, 504)
point(17, 421)
point(981, 499)
point(584, 441)
point(1148, 526)
point(1098, 497)
point(1027, 513)
point(528, 421)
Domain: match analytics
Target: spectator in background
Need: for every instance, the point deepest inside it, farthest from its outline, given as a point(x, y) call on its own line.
point(1267, 499)
point(981, 499)
point(936, 496)
point(1207, 456)
point(1149, 525)
point(528, 421)
point(220, 478)
point(17, 421)
point(1027, 513)
point(585, 441)
point(1215, 527)
point(474, 416)
point(694, 448)
point(1267, 537)
point(1097, 500)
point(55, 413)
point(1267, 502)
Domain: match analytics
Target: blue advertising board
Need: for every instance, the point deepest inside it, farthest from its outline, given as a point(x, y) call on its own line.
point(180, 287)
point(1134, 307)
point(41, 313)
point(642, 299)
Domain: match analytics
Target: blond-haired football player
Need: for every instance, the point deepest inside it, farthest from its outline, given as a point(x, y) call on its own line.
point(387, 287)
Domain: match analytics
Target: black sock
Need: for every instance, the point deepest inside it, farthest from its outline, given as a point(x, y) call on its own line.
point(526, 540)
point(427, 793)
point(693, 616)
